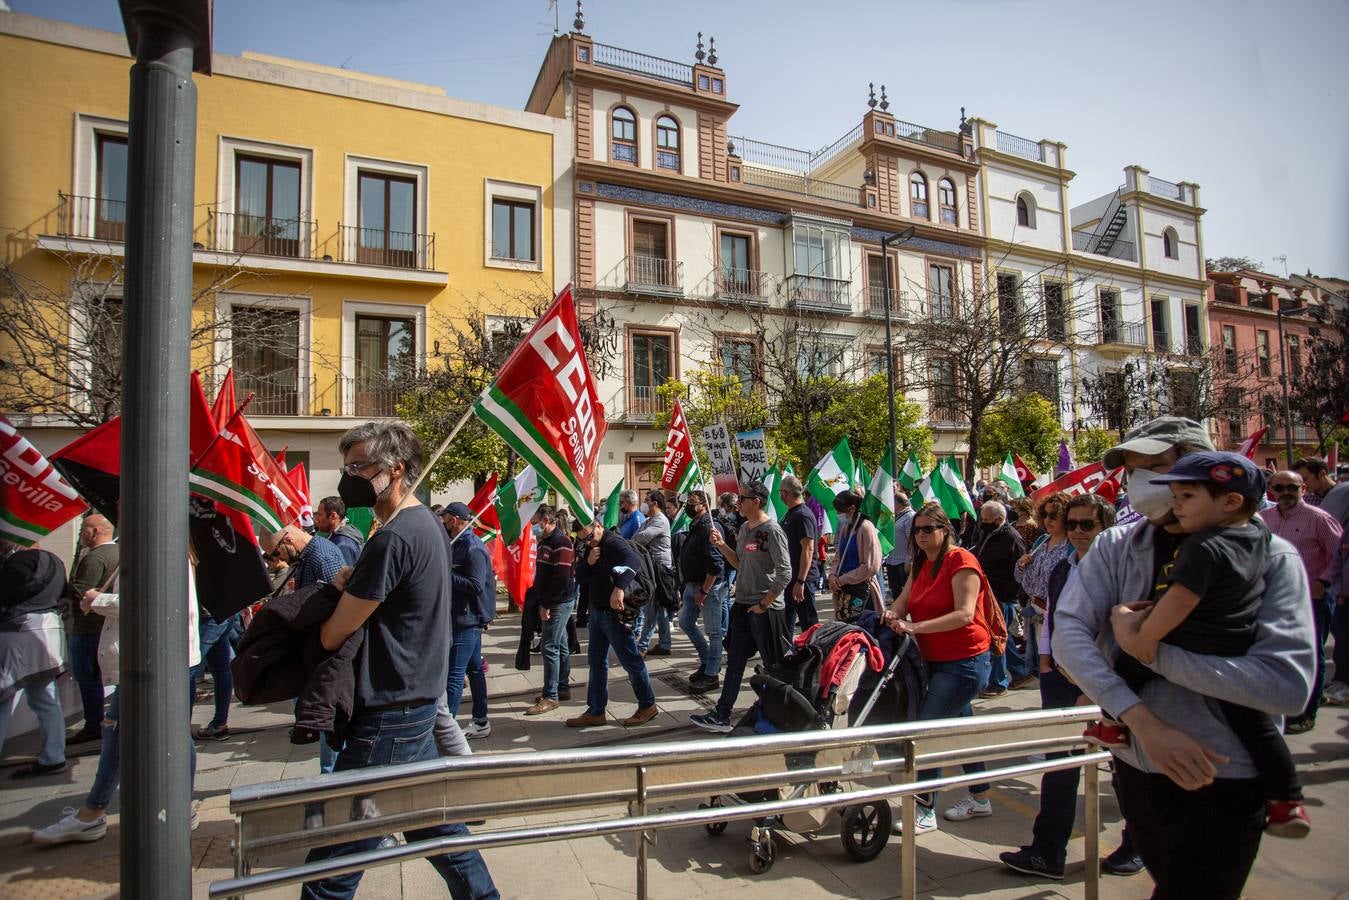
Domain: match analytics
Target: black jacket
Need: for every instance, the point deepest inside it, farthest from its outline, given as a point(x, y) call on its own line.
point(473, 589)
point(280, 657)
point(31, 581)
point(997, 553)
point(698, 558)
point(616, 568)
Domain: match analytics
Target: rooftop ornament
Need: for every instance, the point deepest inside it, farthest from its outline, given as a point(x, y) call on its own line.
point(579, 23)
point(885, 103)
point(871, 94)
point(711, 51)
point(699, 54)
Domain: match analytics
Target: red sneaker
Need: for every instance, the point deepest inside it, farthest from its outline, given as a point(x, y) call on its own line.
point(1107, 733)
point(1286, 819)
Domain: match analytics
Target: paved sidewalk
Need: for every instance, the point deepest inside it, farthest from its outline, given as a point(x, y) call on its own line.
point(958, 861)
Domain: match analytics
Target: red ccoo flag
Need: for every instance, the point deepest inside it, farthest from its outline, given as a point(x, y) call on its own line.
point(488, 525)
point(680, 472)
point(1024, 473)
point(239, 472)
point(1247, 448)
point(300, 479)
point(225, 404)
point(34, 498)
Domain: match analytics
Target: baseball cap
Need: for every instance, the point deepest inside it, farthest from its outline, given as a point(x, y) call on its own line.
point(1229, 471)
point(458, 510)
point(1158, 436)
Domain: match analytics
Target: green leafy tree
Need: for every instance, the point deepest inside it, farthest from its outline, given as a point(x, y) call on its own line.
point(1024, 423)
point(1090, 444)
point(860, 413)
point(1317, 394)
point(710, 397)
point(1232, 264)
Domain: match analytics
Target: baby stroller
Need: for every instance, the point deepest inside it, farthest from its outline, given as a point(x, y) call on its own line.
point(809, 690)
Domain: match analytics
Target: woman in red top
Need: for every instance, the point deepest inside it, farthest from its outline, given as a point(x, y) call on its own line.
point(940, 607)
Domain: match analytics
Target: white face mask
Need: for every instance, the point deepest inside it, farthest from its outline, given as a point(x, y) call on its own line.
point(1150, 499)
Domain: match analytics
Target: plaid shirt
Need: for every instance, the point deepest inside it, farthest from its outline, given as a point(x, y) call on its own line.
point(320, 560)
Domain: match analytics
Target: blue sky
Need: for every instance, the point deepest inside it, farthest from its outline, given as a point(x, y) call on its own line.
point(1248, 98)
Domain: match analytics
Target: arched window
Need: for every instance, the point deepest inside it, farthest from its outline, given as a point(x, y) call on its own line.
point(1170, 244)
point(946, 198)
point(667, 144)
point(623, 129)
point(1025, 211)
point(918, 195)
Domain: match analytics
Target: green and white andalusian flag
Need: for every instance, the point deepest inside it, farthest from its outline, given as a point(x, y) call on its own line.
point(911, 474)
point(946, 487)
point(545, 405)
point(861, 478)
point(832, 476)
point(517, 503)
point(775, 508)
point(611, 506)
point(1007, 475)
point(879, 503)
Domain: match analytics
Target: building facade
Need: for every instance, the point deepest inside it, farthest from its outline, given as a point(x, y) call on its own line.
point(339, 218)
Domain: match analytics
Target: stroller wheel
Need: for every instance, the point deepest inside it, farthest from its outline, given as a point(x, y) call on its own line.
point(866, 830)
point(713, 828)
point(763, 857)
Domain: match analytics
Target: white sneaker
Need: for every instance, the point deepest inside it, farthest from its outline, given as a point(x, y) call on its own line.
point(71, 828)
point(1337, 693)
point(478, 729)
point(968, 808)
point(924, 820)
point(194, 820)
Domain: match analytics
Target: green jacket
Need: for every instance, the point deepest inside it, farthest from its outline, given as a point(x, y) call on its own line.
point(91, 571)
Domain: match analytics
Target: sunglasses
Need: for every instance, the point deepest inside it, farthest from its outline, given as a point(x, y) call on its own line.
point(1285, 488)
point(1050, 515)
point(743, 498)
point(928, 529)
point(1080, 524)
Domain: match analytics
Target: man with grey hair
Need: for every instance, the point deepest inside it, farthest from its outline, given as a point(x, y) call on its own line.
point(630, 518)
point(897, 562)
point(997, 547)
point(799, 525)
point(400, 592)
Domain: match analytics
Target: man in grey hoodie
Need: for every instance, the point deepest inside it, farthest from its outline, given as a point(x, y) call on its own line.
point(758, 616)
point(1186, 785)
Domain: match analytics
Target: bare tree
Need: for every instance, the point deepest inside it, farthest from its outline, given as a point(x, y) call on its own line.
point(61, 339)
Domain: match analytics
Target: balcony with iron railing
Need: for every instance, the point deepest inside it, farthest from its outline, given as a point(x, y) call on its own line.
point(1161, 188)
point(932, 137)
point(384, 247)
point(279, 393)
point(946, 412)
point(819, 294)
point(1119, 249)
point(642, 402)
point(373, 392)
point(610, 57)
point(1122, 334)
point(653, 275)
point(744, 285)
point(899, 303)
point(1019, 146)
point(797, 183)
point(90, 217)
point(249, 235)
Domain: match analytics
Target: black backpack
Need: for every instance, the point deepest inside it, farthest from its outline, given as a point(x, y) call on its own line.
point(643, 588)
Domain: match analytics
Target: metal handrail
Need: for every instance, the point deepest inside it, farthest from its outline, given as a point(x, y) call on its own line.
point(921, 134)
point(1022, 147)
point(637, 775)
point(612, 57)
point(1163, 188)
point(796, 183)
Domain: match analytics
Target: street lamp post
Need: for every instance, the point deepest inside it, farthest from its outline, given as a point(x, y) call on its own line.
point(1283, 378)
point(897, 238)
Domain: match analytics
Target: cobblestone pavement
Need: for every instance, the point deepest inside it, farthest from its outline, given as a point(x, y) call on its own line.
point(960, 860)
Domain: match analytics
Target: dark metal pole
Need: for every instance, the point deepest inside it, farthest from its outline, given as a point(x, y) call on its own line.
point(899, 238)
point(156, 744)
point(1283, 384)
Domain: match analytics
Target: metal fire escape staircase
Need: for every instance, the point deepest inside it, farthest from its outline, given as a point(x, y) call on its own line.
point(1110, 226)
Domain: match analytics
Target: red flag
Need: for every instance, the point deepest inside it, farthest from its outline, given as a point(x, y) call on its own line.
point(224, 401)
point(1024, 473)
point(281, 457)
point(92, 463)
point(34, 498)
point(238, 472)
point(680, 471)
point(1081, 481)
point(488, 523)
point(300, 479)
point(1247, 448)
point(545, 405)
point(517, 565)
point(1333, 459)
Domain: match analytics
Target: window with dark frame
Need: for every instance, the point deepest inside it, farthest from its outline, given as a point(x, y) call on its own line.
point(513, 230)
point(110, 178)
point(623, 131)
point(266, 206)
point(736, 257)
point(918, 195)
point(265, 345)
point(387, 213)
point(1294, 356)
point(1230, 348)
point(739, 359)
point(876, 283)
point(667, 144)
point(1009, 302)
point(1161, 329)
point(1109, 304)
point(945, 390)
point(386, 354)
point(1024, 216)
point(1056, 311)
point(1169, 249)
point(651, 358)
point(650, 263)
point(1194, 337)
point(941, 290)
point(1234, 410)
point(946, 198)
point(1042, 377)
point(1262, 357)
point(103, 326)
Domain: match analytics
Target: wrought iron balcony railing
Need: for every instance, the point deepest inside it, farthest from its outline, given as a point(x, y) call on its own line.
point(815, 292)
point(90, 217)
point(373, 393)
point(899, 303)
point(795, 183)
point(381, 247)
point(653, 274)
point(279, 393)
point(1019, 146)
point(1119, 249)
point(748, 285)
point(1128, 334)
point(259, 235)
point(643, 402)
point(611, 57)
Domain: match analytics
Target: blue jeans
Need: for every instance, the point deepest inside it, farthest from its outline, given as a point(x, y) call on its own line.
point(389, 737)
point(45, 703)
point(216, 654)
point(749, 633)
point(653, 615)
point(803, 612)
point(1058, 790)
point(1339, 626)
point(1323, 611)
point(950, 688)
point(1012, 664)
point(712, 612)
point(556, 653)
point(606, 631)
point(466, 660)
point(84, 668)
point(109, 772)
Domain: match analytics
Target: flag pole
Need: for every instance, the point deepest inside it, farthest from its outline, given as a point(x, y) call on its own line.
point(440, 451)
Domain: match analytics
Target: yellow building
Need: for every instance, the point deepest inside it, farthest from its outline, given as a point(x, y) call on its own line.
point(339, 217)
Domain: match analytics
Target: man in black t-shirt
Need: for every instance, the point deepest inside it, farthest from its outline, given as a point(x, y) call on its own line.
point(400, 593)
point(799, 524)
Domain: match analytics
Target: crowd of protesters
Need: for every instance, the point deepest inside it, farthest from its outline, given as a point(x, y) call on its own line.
point(1196, 628)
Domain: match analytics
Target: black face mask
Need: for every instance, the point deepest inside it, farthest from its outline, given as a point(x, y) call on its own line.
point(356, 491)
point(693, 511)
